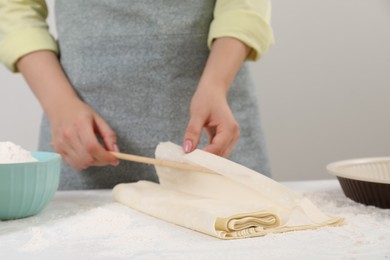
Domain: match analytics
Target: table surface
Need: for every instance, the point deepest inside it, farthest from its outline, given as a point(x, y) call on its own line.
point(86, 224)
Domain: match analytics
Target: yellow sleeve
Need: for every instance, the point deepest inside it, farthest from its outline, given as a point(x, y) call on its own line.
point(23, 29)
point(246, 20)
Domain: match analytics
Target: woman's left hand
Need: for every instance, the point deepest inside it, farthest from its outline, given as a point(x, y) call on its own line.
point(209, 107)
point(210, 110)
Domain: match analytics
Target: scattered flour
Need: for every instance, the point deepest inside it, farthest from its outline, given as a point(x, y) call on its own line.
point(37, 241)
point(92, 226)
point(12, 153)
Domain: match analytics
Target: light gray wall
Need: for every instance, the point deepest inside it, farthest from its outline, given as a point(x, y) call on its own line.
point(324, 88)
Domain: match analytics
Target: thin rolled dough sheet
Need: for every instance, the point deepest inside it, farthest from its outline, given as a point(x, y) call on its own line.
point(233, 202)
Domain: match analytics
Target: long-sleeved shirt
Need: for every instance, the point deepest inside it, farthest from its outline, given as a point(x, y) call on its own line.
point(23, 27)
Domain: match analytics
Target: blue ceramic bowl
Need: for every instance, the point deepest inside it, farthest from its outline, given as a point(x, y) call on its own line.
point(26, 188)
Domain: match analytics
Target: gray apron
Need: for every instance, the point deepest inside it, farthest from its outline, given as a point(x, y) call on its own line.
point(138, 63)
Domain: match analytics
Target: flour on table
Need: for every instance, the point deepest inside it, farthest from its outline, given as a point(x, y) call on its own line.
point(110, 226)
point(37, 241)
point(91, 226)
point(12, 153)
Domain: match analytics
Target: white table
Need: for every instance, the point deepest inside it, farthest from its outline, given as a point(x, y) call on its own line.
point(90, 225)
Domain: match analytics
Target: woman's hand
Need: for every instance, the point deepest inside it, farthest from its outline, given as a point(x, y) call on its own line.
point(209, 109)
point(75, 126)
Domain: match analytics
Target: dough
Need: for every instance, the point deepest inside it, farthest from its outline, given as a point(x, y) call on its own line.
point(233, 202)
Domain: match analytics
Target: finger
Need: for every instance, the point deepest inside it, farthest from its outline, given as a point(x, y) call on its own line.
point(228, 149)
point(80, 154)
point(218, 144)
point(223, 142)
point(193, 133)
point(231, 145)
point(78, 162)
point(93, 147)
point(68, 145)
point(210, 132)
point(108, 135)
point(109, 138)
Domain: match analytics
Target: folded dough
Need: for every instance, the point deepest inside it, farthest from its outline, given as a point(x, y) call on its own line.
point(233, 202)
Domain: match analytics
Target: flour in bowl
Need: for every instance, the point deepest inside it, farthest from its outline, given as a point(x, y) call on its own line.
point(12, 153)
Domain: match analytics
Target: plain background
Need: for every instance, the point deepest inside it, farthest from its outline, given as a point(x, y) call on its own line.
point(324, 88)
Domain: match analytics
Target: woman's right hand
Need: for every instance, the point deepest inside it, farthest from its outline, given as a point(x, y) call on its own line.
point(74, 125)
point(74, 128)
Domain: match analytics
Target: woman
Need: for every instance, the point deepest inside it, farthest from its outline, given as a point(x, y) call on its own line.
point(128, 71)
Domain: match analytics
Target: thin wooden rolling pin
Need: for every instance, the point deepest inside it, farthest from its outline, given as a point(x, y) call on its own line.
point(162, 163)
